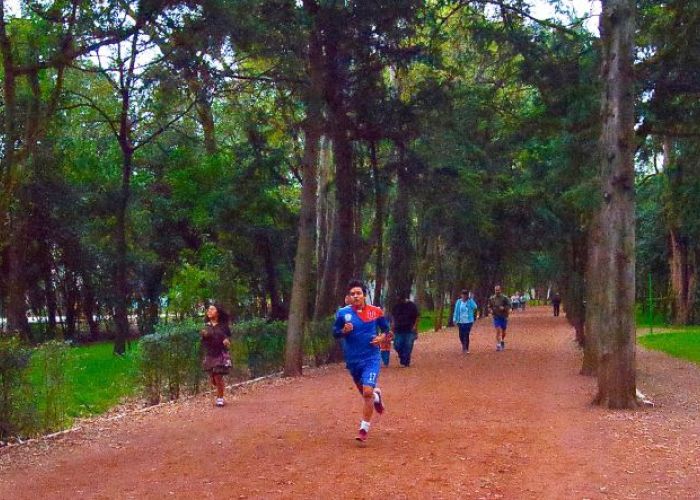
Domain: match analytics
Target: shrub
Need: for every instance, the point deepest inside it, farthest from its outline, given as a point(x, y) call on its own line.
point(319, 341)
point(170, 361)
point(260, 345)
point(15, 407)
point(52, 385)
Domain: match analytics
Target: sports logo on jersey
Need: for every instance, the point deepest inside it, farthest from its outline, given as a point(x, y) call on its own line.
point(370, 313)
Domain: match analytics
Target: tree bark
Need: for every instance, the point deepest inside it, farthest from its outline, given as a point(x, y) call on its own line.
point(121, 315)
point(681, 262)
point(303, 262)
point(89, 308)
point(613, 252)
point(401, 256)
point(379, 202)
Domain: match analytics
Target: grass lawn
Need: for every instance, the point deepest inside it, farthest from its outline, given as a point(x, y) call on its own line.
point(96, 379)
point(684, 344)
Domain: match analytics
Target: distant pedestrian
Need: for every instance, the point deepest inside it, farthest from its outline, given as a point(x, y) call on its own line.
point(357, 325)
point(524, 299)
point(515, 301)
point(463, 316)
point(405, 325)
point(556, 302)
point(499, 304)
point(215, 343)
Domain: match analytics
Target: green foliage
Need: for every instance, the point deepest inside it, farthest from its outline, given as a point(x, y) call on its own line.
point(319, 341)
point(51, 385)
point(187, 287)
point(93, 379)
point(14, 402)
point(684, 344)
point(170, 361)
point(260, 345)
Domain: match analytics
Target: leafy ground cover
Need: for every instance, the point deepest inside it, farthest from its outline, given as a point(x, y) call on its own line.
point(95, 379)
point(681, 343)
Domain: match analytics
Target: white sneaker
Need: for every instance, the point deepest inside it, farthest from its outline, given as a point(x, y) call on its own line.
point(220, 402)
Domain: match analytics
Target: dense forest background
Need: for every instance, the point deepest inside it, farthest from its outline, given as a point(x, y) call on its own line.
point(157, 154)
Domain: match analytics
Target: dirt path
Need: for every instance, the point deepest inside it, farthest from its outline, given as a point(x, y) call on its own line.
point(515, 424)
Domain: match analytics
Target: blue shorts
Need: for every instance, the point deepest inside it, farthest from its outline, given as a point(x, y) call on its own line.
point(365, 372)
point(500, 322)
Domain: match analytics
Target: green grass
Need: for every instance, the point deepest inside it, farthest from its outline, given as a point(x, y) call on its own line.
point(684, 344)
point(426, 321)
point(642, 317)
point(96, 379)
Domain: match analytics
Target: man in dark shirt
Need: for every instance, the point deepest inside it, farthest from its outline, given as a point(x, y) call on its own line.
point(405, 322)
point(556, 302)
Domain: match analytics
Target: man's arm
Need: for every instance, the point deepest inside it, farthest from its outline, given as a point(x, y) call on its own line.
point(338, 326)
point(383, 324)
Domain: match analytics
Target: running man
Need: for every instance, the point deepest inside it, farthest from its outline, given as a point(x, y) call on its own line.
point(500, 307)
point(357, 325)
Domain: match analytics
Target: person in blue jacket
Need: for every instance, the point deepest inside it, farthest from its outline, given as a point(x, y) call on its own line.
point(357, 325)
point(463, 316)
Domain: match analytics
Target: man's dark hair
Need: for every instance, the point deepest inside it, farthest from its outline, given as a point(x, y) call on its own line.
point(355, 283)
point(465, 291)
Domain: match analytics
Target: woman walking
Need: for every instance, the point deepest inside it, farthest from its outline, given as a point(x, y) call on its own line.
point(215, 343)
point(464, 318)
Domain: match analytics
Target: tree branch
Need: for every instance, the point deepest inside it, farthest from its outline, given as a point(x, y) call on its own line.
point(164, 127)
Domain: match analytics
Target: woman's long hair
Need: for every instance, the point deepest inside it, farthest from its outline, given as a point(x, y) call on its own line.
point(224, 317)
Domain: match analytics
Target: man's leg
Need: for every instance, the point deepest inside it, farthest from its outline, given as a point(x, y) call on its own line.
point(371, 397)
point(404, 352)
point(398, 345)
point(408, 348)
point(368, 403)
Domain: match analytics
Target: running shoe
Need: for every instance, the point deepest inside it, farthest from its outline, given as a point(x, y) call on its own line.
point(378, 404)
point(503, 346)
point(361, 435)
point(498, 347)
point(220, 402)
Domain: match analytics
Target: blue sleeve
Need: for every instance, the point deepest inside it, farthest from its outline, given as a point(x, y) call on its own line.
point(474, 304)
point(338, 326)
point(454, 314)
point(383, 324)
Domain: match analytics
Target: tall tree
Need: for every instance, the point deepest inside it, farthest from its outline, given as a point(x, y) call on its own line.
point(611, 304)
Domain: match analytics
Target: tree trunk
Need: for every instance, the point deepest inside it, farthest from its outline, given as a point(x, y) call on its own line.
point(89, 309)
point(379, 202)
point(682, 277)
point(401, 254)
point(615, 258)
point(121, 315)
point(681, 262)
point(324, 211)
point(277, 311)
point(16, 288)
point(438, 256)
point(303, 262)
point(70, 299)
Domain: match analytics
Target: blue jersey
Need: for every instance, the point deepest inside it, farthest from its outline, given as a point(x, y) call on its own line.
point(357, 345)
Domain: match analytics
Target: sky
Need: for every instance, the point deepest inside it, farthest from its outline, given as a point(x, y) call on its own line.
point(540, 9)
point(543, 9)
